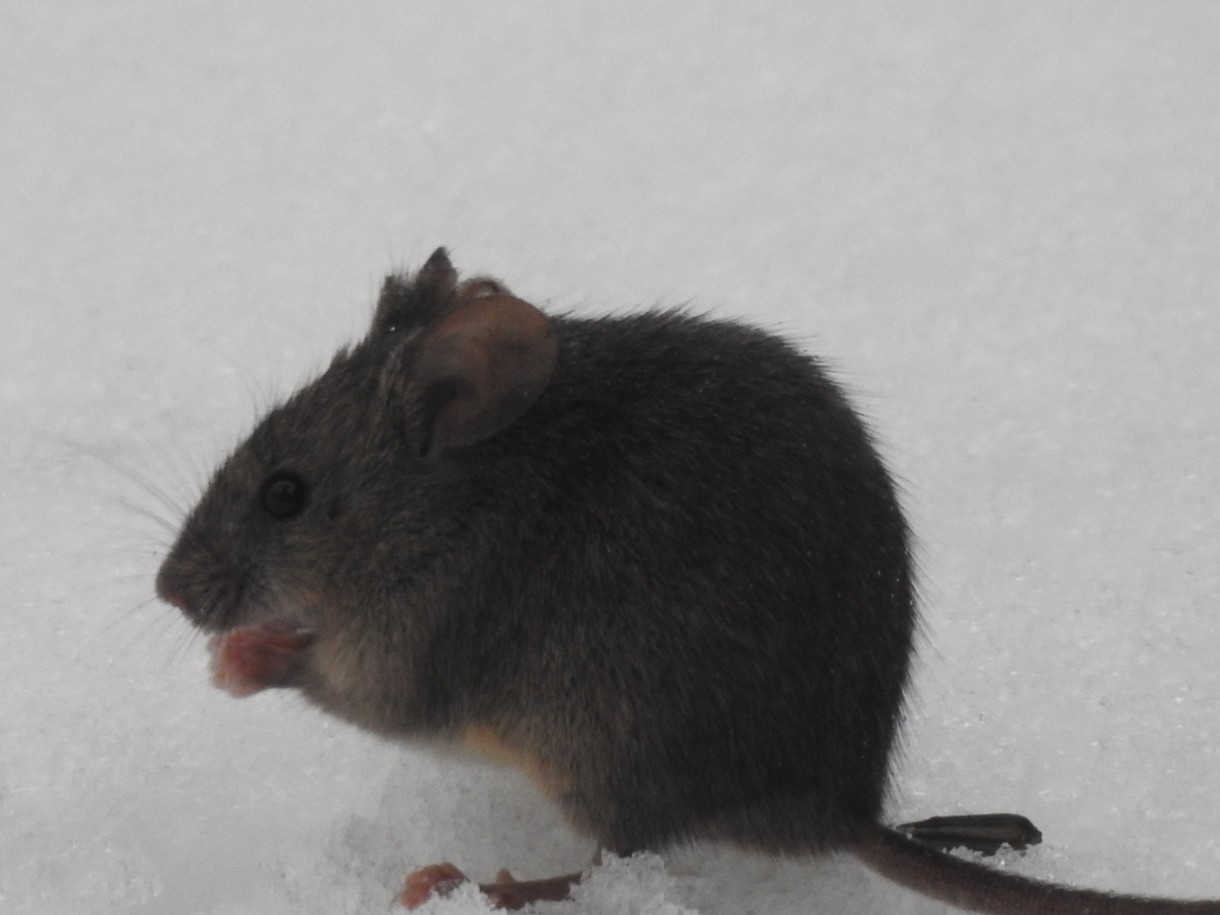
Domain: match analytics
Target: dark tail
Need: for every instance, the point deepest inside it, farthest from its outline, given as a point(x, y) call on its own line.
point(977, 888)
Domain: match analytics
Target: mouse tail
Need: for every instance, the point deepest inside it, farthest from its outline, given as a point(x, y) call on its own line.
point(978, 888)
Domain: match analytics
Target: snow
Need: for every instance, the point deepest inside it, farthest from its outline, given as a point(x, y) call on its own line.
point(1000, 223)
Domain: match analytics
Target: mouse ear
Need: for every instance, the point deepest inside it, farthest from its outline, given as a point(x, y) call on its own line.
point(481, 367)
point(416, 300)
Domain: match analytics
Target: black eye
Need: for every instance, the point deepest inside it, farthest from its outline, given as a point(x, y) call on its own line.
point(283, 495)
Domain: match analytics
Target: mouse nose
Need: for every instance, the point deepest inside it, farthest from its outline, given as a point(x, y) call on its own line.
point(173, 598)
point(168, 593)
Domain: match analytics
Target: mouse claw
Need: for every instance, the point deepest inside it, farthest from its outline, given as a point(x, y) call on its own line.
point(433, 880)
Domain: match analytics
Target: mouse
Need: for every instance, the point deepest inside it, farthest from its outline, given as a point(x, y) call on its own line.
point(653, 560)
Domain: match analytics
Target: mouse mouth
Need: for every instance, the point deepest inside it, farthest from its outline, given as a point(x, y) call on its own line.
point(272, 654)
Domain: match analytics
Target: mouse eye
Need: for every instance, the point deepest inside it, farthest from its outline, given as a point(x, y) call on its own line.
point(283, 495)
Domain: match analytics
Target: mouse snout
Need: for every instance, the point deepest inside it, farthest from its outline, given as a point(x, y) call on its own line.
point(167, 593)
point(174, 588)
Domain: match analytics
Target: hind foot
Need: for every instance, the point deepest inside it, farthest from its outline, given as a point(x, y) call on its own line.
point(506, 892)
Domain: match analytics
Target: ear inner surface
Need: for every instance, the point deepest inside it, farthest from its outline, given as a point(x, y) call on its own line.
point(480, 369)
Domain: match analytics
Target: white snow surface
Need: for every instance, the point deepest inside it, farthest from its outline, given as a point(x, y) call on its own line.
point(1000, 223)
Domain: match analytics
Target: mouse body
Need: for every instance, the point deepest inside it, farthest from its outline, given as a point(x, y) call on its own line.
point(655, 561)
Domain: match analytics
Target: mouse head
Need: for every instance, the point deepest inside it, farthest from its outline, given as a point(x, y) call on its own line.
point(343, 495)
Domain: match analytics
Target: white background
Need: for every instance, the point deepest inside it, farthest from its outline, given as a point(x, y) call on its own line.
point(1000, 223)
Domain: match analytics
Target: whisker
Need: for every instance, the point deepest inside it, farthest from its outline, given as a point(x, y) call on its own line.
point(158, 494)
point(148, 514)
point(188, 637)
point(101, 631)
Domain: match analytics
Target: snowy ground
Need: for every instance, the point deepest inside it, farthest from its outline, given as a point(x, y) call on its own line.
point(1002, 224)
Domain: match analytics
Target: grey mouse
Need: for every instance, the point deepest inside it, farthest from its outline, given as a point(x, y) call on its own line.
point(655, 561)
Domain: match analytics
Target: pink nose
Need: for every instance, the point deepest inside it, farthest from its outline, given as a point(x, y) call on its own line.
point(170, 596)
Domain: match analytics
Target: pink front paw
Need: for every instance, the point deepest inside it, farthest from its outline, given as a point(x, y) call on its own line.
point(248, 660)
point(435, 879)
